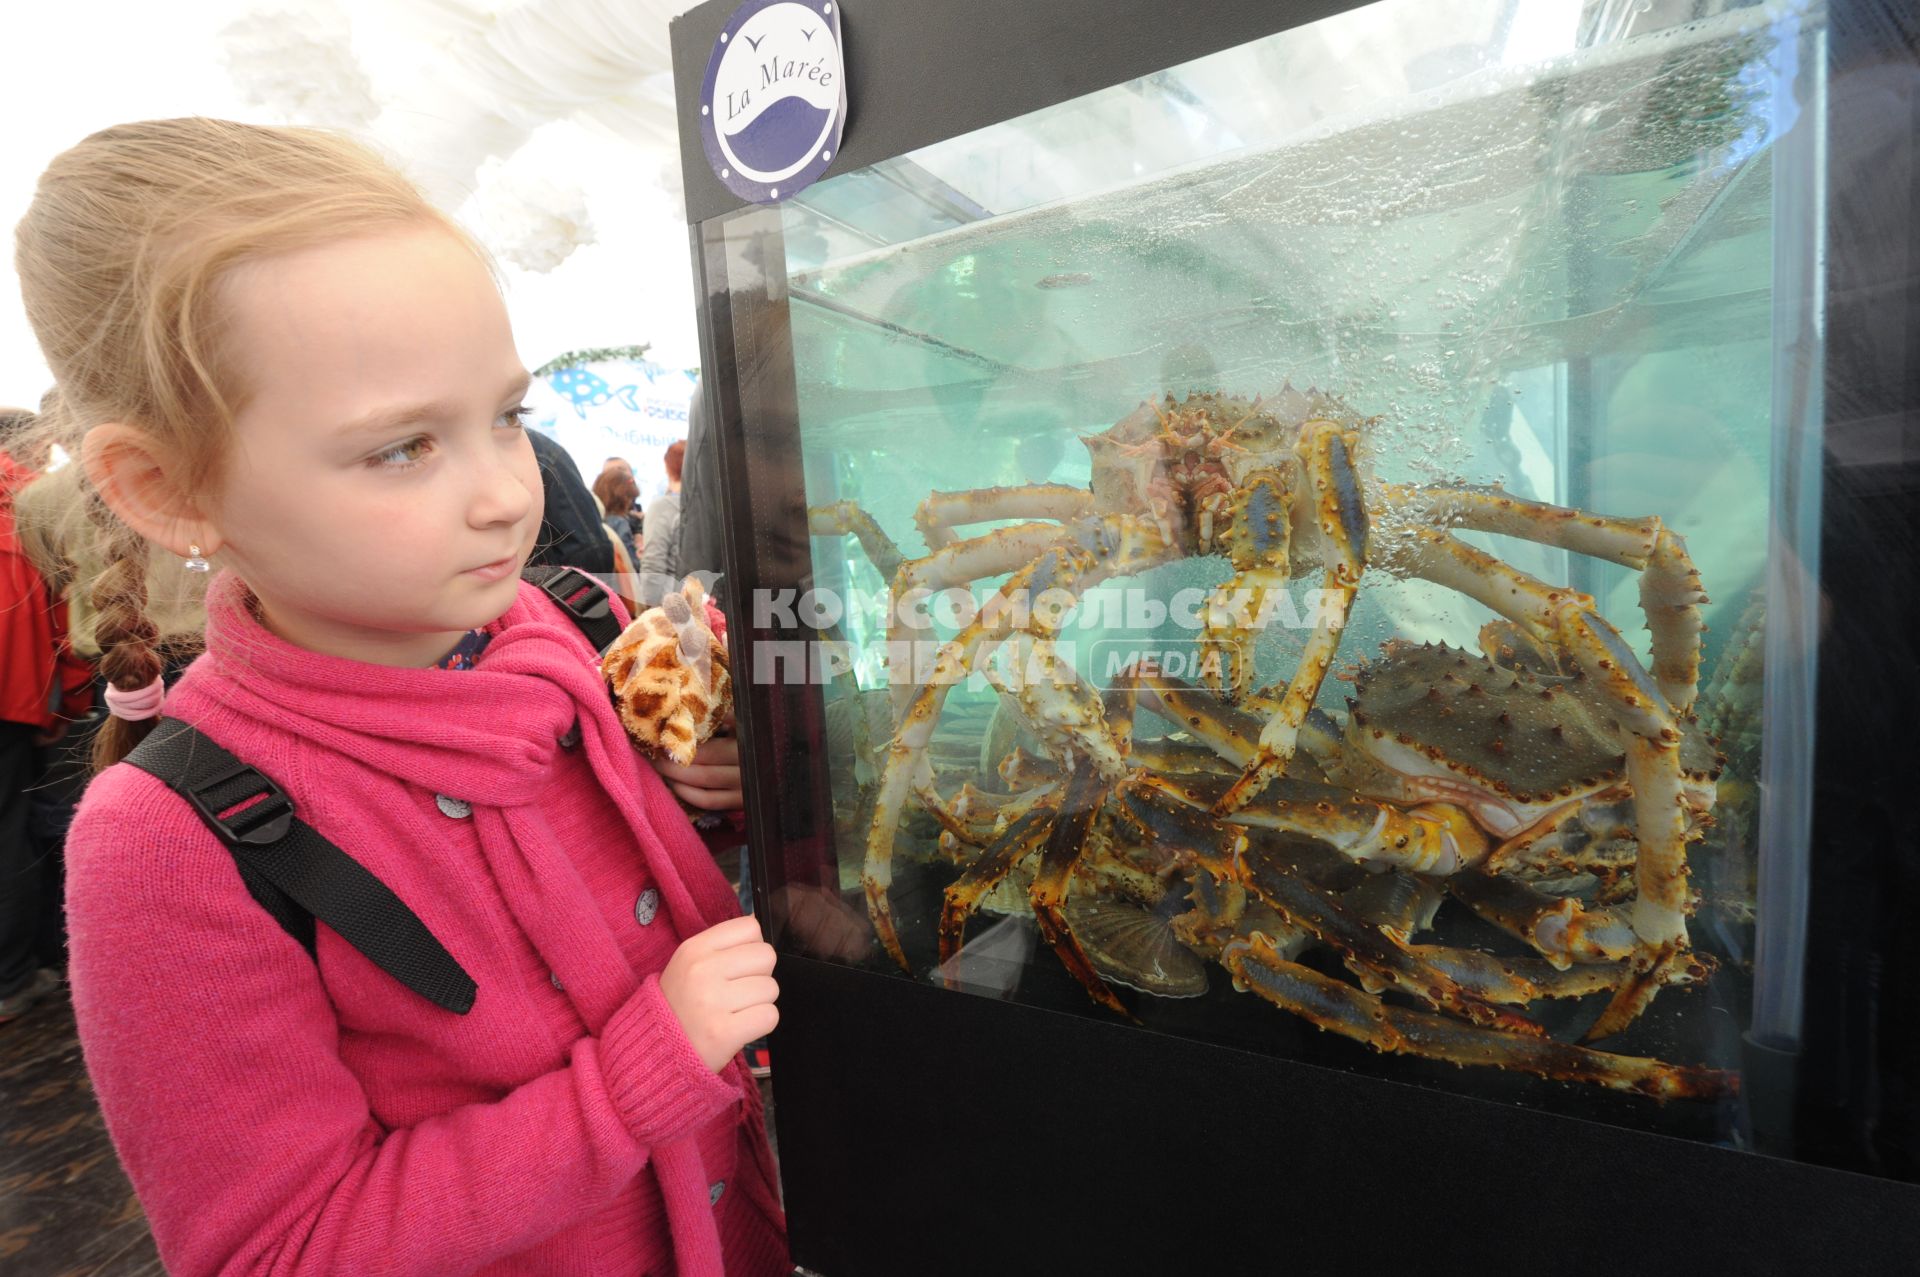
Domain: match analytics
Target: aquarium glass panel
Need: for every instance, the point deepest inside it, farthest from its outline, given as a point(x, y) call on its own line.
point(1312, 550)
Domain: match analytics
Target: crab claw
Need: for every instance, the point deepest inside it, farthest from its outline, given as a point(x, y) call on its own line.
point(1672, 963)
point(1261, 770)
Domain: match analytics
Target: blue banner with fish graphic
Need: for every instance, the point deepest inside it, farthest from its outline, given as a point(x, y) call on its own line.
point(629, 408)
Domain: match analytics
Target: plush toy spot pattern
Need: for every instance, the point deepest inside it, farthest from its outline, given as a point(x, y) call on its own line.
point(668, 671)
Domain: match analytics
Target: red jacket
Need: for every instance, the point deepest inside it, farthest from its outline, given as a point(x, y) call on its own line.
point(278, 1115)
point(41, 680)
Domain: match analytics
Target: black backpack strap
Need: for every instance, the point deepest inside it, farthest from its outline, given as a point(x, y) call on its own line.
point(295, 874)
point(580, 597)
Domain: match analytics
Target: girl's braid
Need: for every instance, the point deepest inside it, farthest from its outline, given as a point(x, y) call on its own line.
point(126, 637)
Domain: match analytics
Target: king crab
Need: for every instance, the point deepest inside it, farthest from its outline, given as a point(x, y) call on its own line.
point(1279, 488)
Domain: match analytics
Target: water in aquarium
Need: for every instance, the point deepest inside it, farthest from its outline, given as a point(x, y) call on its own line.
point(1402, 416)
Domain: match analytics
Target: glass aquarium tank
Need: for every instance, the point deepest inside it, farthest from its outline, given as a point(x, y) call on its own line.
point(1316, 550)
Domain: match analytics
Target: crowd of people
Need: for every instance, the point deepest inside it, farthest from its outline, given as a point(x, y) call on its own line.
point(603, 529)
point(46, 699)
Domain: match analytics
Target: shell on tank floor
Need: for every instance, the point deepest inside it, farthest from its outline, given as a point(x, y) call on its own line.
point(1135, 947)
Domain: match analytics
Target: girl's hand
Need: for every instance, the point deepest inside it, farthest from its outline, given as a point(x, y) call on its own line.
point(720, 987)
point(712, 781)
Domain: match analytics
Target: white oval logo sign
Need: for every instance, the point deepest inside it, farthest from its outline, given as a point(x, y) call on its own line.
point(774, 101)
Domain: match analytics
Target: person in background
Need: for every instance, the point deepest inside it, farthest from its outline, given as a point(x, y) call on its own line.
point(571, 532)
point(660, 554)
point(56, 532)
point(621, 466)
point(615, 491)
point(43, 688)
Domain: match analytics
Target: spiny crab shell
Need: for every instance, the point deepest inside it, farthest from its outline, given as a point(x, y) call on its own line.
point(1184, 460)
point(1510, 745)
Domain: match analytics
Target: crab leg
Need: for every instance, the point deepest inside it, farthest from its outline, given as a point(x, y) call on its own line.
point(1569, 620)
point(1514, 647)
point(1671, 595)
point(1670, 964)
point(1273, 875)
point(951, 817)
point(941, 511)
point(1021, 770)
point(1002, 550)
point(1341, 516)
point(1670, 589)
point(1368, 952)
point(1021, 840)
point(1596, 830)
point(1628, 542)
point(1172, 758)
point(1058, 707)
point(1002, 811)
point(1094, 549)
point(1256, 537)
point(976, 558)
point(1086, 792)
point(1515, 981)
point(1434, 839)
point(1229, 735)
point(985, 556)
point(1403, 905)
point(906, 754)
point(1562, 929)
point(1230, 732)
point(844, 518)
point(1340, 1008)
point(1347, 767)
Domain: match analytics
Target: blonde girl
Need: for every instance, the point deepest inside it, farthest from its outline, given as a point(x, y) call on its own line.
point(276, 361)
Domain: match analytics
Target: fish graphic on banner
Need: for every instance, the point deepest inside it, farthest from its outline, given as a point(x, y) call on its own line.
point(586, 390)
point(617, 407)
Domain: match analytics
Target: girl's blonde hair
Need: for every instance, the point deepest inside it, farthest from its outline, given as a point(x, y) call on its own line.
point(120, 257)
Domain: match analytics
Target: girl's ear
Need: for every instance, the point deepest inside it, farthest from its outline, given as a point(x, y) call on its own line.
point(123, 466)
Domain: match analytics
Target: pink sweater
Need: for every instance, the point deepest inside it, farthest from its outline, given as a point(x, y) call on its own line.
point(282, 1115)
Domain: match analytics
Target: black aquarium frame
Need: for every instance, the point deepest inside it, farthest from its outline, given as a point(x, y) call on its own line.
point(927, 1133)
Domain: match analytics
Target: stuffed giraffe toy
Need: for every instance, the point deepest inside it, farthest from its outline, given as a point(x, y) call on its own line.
point(668, 672)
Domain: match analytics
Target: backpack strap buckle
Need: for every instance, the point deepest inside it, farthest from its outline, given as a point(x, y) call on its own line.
point(593, 613)
point(570, 581)
point(262, 824)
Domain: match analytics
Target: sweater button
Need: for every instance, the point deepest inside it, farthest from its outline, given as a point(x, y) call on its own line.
point(554, 976)
point(572, 737)
point(647, 907)
point(713, 1193)
point(453, 807)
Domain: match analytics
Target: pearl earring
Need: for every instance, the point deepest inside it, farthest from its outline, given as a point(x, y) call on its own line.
point(195, 563)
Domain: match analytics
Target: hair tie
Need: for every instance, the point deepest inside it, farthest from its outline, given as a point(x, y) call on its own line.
point(135, 706)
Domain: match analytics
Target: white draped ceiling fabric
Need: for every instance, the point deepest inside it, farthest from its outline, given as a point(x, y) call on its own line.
point(459, 122)
point(546, 126)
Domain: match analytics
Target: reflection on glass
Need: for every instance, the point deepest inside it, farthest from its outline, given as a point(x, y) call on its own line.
point(1299, 532)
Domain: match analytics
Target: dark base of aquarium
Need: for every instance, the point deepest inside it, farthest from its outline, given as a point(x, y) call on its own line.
point(931, 1133)
point(1687, 1026)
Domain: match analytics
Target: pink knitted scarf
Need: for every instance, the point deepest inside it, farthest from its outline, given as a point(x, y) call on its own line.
point(489, 735)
